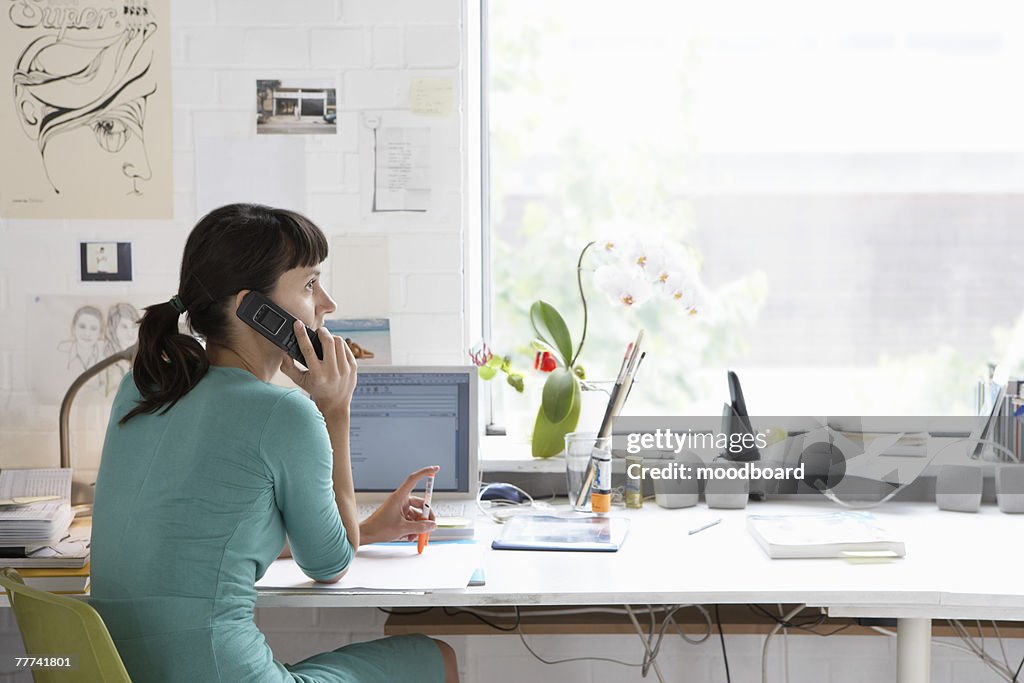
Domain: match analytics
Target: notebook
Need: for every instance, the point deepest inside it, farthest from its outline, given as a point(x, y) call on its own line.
point(405, 418)
point(845, 534)
point(545, 532)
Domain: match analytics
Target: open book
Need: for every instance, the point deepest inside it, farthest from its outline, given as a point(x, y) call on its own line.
point(845, 534)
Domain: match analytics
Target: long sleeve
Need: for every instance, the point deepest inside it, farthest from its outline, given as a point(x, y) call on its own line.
point(297, 449)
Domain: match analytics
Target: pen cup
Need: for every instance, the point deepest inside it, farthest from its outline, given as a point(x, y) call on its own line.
point(578, 447)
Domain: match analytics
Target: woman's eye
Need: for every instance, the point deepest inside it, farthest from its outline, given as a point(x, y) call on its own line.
point(309, 285)
point(111, 134)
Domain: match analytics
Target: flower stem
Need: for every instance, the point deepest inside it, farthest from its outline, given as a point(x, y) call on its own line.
point(583, 298)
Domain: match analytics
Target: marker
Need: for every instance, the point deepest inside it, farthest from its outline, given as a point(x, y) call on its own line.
point(425, 536)
point(706, 526)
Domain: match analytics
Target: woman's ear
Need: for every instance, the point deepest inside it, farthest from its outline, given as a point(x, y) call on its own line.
point(240, 296)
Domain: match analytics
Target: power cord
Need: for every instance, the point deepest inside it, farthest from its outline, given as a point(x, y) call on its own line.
point(721, 637)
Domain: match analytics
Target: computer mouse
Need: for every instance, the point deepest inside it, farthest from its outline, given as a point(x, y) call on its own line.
point(503, 492)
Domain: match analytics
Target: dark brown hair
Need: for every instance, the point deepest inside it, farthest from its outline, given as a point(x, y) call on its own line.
point(235, 247)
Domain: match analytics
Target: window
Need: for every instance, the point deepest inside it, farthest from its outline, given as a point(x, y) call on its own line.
point(851, 177)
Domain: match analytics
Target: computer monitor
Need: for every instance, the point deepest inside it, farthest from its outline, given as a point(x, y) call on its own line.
point(405, 418)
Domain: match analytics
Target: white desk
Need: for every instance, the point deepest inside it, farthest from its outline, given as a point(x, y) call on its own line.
point(957, 566)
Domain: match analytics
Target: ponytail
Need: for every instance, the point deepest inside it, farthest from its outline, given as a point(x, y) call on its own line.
point(168, 364)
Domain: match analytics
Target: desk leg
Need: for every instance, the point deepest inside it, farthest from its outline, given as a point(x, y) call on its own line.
point(913, 650)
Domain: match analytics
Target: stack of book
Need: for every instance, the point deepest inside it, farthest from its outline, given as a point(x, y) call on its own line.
point(36, 533)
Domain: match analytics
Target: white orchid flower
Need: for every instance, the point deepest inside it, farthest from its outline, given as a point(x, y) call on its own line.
point(685, 291)
point(625, 286)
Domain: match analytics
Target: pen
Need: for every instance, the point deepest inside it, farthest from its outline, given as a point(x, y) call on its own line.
point(706, 526)
point(424, 538)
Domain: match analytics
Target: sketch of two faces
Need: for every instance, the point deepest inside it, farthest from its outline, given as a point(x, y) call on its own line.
point(83, 100)
point(94, 338)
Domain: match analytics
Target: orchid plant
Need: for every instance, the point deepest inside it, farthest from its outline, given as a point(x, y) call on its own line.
point(637, 272)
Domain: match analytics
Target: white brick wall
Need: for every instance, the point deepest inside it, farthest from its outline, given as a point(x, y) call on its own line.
point(374, 48)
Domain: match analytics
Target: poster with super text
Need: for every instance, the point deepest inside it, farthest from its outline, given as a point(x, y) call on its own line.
point(85, 119)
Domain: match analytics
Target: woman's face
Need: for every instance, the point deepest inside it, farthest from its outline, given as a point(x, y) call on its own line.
point(300, 292)
point(87, 329)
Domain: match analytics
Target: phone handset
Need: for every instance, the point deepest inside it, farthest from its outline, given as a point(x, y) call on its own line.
point(276, 324)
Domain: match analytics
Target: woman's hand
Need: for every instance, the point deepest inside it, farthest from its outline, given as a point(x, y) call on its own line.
point(399, 517)
point(329, 382)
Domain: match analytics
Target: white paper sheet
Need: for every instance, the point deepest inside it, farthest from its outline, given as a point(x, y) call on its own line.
point(387, 566)
point(432, 96)
point(403, 176)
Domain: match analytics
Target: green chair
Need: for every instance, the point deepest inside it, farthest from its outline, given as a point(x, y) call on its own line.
point(57, 625)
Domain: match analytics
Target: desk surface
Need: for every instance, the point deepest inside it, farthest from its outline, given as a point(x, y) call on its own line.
point(957, 565)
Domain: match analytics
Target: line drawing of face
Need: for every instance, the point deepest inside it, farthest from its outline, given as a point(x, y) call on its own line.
point(67, 89)
point(86, 327)
point(122, 326)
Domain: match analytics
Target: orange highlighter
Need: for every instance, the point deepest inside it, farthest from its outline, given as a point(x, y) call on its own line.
point(424, 538)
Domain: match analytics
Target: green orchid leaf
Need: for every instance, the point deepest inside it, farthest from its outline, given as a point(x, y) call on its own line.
point(487, 372)
point(551, 328)
point(557, 399)
point(549, 437)
point(515, 380)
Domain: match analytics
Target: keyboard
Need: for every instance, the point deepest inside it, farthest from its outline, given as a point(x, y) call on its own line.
point(441, 508)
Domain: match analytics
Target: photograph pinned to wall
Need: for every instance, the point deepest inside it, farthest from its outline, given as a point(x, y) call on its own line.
point(296, 106)
point(85, 121)
point(106, 261)
point(369, 338)
point(72, 333)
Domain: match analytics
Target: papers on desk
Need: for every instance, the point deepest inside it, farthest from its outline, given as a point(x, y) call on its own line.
point(40, 522)
point(387, 567)
point(846, 534)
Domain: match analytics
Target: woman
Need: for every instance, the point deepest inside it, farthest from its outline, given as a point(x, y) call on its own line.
point(206, 466)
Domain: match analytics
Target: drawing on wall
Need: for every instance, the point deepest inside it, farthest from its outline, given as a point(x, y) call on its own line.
point(296, 106)
point(74, 333)
point(87, 113)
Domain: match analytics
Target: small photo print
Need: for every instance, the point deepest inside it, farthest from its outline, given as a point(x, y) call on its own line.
point(106, 261)
point(296, 106)
point(369, 338)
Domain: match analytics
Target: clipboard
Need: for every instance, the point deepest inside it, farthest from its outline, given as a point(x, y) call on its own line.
point(546, 532)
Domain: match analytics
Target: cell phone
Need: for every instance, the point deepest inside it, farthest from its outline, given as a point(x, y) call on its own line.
point(277, 325)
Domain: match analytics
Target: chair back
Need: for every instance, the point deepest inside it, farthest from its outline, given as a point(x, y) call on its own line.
point(57, 626)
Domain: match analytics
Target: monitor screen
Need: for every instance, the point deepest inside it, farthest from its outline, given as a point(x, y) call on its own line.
point(405, 420)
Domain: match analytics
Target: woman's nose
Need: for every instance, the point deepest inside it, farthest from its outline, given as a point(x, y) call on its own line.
point(327, 305)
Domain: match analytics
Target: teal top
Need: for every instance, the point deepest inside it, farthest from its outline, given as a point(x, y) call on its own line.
point(192, 507)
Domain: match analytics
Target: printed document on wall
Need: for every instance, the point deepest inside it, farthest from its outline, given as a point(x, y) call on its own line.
point(402, 177)
point(85, 118)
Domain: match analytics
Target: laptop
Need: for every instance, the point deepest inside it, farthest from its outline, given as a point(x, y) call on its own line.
point(407, 417)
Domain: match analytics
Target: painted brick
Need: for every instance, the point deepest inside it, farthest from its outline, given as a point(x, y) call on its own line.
point(194, 87)
point(223, 123)
point(427, 332)
point(434, 292)
point(331, 209)
point(324, 170)
point(348, 131)
point(376, 89)
point(277, 48)
point(351, 170)
point(215, 45)
point(338, 47)
point(426, 252)
point(4, 291)
point(276, 13)
point(388, 50)
point(185, 12)
point(432, 46)
point(390, 11)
